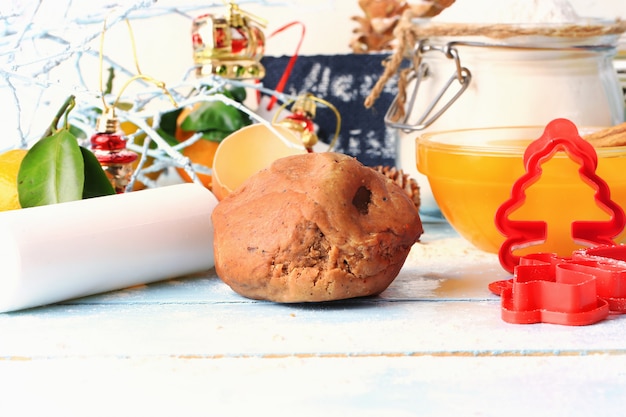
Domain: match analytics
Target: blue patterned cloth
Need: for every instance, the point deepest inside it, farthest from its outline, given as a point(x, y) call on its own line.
point(345, 81)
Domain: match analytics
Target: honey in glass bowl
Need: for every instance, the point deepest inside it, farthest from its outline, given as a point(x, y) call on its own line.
point(471, 173)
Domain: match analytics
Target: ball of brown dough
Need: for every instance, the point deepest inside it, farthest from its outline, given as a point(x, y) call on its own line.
point(314, 227)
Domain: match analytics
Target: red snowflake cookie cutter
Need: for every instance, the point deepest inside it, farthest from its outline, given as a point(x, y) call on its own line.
point(559, 135)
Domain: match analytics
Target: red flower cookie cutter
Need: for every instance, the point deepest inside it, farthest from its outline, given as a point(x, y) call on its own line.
point(559, 135)
point(550, 292)
point(572, 291)
point(608, 264)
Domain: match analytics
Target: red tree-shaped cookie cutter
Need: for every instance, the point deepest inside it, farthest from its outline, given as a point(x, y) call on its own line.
point(559, 135)
point(579, 290)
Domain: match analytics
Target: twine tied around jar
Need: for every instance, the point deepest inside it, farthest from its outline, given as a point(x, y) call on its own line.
point(409, 34)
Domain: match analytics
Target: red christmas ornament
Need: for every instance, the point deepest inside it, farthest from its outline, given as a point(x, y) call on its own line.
point(109, 147)
point(301, 120)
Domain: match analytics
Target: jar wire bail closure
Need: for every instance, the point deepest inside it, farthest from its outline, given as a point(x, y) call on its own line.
point(398, 117)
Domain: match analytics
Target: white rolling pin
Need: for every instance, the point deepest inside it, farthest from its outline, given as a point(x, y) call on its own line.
point(62, 251)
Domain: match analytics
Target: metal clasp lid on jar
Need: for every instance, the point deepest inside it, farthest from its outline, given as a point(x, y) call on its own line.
point(461, 77)
point(418, 72)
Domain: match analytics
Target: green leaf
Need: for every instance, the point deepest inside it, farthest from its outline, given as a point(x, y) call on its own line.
point(213, 115)
point(167, 137)
point(97, 183)
point(77, 132)
point(124, 106)
point(215, 135)
point(52, 171)
point(236, 93)
point(168, 121)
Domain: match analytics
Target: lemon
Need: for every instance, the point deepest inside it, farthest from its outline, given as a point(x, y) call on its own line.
point(9, 166)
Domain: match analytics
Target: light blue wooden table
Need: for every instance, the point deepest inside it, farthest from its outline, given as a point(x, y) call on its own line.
point(432, 344)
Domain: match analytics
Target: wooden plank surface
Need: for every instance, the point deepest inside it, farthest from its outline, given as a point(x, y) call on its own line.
point(432, 344)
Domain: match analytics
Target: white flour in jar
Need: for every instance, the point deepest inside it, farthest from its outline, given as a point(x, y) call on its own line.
point(508, 11)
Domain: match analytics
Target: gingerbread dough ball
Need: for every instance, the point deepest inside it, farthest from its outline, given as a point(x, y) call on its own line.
point(314, 227)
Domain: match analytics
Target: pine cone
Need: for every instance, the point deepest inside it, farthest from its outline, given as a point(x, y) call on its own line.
point(408, 184)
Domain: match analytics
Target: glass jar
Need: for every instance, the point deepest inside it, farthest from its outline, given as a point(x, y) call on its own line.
point(476, 82)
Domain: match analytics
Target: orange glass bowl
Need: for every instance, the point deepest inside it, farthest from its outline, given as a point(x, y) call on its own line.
point(471, 173)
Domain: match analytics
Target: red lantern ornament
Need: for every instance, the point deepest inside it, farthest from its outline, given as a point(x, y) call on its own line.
point(229, 46)
point(109, 147)
point(301, 120)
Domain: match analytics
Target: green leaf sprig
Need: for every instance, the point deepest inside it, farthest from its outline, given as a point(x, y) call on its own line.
point(214, 119)
point(56, 169)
